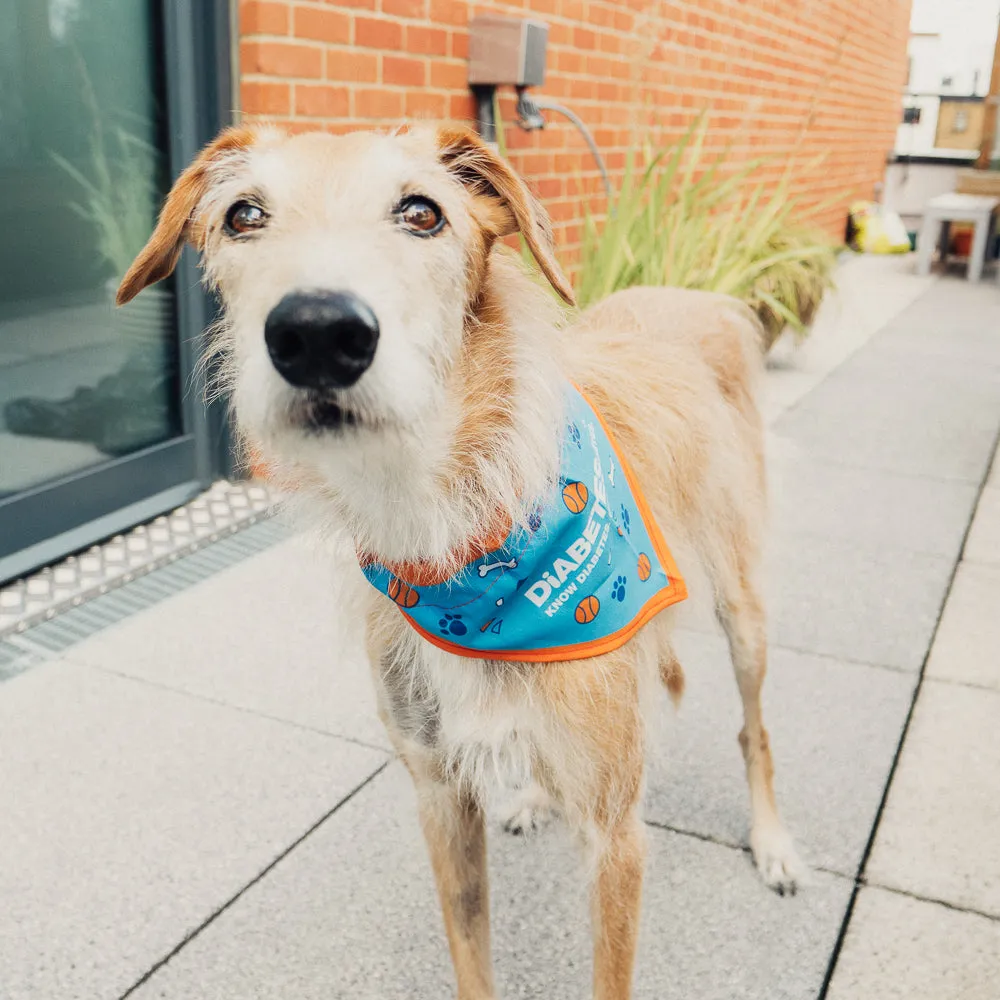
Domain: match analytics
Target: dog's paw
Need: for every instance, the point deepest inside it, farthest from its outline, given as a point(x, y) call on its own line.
point(777, 860)
point(527, 811)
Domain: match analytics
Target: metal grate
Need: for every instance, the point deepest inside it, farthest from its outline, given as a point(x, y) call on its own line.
point(223, 510)
point(28, 647)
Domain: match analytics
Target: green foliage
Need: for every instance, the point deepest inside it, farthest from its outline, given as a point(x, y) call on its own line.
point(686, 222)
point(118, 188)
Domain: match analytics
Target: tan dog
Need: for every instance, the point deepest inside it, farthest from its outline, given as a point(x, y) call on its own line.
point(390, 357)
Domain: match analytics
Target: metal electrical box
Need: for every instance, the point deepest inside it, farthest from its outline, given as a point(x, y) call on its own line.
point(507, 51)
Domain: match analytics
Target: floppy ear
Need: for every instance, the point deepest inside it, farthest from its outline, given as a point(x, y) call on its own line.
point(159, 256)
point(486, 175)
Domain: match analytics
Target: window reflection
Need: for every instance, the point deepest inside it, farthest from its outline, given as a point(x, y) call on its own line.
point(82, 171)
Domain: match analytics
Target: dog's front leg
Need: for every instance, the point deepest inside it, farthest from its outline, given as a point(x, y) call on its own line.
point(454, 826)
point(616, 903)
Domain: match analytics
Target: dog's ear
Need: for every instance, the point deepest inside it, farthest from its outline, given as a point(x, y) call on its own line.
point(486, 175)
point(159, 256)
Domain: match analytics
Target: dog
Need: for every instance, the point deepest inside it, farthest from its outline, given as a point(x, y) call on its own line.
point(394, 360)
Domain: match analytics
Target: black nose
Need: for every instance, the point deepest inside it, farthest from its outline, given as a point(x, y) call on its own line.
point(320, 339)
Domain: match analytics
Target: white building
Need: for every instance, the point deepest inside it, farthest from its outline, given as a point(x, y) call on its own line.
point(950, 55)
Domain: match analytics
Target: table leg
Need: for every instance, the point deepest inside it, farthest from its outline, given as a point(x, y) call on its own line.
point(925, 243)
point(981, 231)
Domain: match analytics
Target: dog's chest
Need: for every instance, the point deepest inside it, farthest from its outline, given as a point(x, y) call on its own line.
point(477, 716)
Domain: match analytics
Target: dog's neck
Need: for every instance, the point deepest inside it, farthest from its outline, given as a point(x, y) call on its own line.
point(477, 466)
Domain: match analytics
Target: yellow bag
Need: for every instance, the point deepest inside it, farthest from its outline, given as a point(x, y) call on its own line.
point(872, 228)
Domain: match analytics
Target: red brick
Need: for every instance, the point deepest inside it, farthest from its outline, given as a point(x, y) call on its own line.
point(351, 66)
point(322, 25)
point(281, 59)
point(458, 45)
point(257, 18)
point(779, 83)
point(375, 102)
point(322, 101)
point(462, 107)
point(449, 12)
point(405, 8)
point(404, 71)
point(295, 127)
point(378, 33)
point(449, 76)
point(261, 98)
point(423, 104)
point(427, 41)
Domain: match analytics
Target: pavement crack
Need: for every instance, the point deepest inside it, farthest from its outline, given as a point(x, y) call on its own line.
point(212, 917)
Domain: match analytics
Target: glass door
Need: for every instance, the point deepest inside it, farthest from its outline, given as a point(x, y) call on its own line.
point(101, 417)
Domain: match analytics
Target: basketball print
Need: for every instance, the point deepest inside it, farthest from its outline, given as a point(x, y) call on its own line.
point(586, 610)
point(575, 496)
point(644, 566)
point(404, 595)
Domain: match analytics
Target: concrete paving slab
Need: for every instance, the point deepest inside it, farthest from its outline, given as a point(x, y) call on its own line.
point(871, 509)
point(870, 292)
point(967, 645)
point(899, 948)
point(938, 834)
point(834, 731)
point(956, 322)
point(131, 814)
point(983, 543)
point(352, 914)
point(275, 635)
point(828, 596)
point(936, 426)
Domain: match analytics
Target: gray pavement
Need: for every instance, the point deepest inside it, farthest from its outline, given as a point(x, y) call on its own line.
point(199, 802)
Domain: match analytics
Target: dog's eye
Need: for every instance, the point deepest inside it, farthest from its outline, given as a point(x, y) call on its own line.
point(420, 216)
point(244, 217)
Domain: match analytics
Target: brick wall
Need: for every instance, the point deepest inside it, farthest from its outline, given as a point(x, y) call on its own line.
point(783, 77)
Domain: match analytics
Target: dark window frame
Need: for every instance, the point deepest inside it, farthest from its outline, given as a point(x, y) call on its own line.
point(56, 518)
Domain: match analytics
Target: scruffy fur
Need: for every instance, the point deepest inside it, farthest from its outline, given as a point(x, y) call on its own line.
point(457, 431)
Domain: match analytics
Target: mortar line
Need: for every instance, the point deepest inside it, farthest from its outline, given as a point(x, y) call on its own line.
point(706, 838)
point(972, 685)
point(833, 658)
point(212, 917)
point(933, 900)
point(860, 879)
point(208, 700)
point(803, 458)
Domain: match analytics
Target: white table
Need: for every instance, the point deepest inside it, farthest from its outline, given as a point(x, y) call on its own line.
point(938, 216)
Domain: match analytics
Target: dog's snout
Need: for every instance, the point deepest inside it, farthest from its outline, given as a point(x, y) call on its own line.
point(321, 339)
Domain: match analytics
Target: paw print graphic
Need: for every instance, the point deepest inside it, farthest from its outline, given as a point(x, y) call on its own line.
point(618, 588)
point(625, 519)
point(452, 625)
point(574, 435)
point(535, 519)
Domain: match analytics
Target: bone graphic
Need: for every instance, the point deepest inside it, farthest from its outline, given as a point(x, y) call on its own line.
point(611, 471)
point(483, 570)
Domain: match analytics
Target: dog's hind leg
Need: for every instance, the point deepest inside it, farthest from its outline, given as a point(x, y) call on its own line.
point(616, 902)
point(455, 830)
point(741, 614)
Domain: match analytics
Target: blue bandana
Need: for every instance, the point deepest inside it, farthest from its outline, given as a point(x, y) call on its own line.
point(589, 570)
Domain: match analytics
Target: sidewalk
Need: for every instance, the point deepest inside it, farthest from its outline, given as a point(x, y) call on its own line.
point(199, 803)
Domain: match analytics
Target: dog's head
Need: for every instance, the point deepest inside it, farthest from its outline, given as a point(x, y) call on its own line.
point(348, 267)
